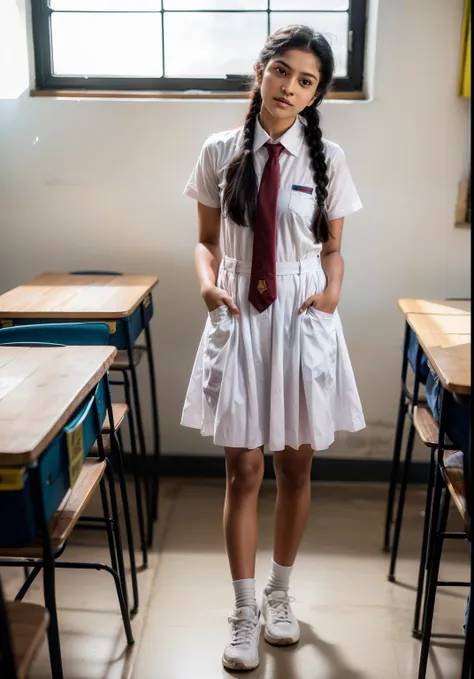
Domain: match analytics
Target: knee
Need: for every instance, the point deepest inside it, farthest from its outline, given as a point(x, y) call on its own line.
point(293, 477)
point(245, 474)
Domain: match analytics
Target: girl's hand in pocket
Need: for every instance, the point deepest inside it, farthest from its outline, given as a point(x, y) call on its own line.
point(323, 301)
point(215, 297)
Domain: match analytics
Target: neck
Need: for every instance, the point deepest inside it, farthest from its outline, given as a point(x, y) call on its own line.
point(274, 127)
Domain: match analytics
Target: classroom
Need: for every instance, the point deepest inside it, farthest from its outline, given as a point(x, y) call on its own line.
point(235, 339)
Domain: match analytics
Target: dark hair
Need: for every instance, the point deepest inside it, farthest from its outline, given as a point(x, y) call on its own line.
point(240, 194)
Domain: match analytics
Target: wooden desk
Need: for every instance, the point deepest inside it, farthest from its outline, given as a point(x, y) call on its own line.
point(40, 388)
point(434, 307)
point(441, 325)
point(448, 352)
point(41, 391)
point(79, 297)
point(125, 303)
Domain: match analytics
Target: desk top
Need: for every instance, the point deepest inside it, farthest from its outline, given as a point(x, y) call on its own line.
point(40, 388)
point(440, 325)
point(62, 295)
point(448, 352)
point(429, 306)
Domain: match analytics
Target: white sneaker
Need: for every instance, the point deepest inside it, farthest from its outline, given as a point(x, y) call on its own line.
point(281, 625)
point(241, 652)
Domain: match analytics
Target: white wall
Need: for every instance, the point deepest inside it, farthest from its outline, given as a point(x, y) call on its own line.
point(99, 184)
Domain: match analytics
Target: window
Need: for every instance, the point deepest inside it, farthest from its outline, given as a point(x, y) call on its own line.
point(181, 45)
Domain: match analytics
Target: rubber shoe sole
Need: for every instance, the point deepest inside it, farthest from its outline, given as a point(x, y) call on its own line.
point(280, 641)
point(239, 666)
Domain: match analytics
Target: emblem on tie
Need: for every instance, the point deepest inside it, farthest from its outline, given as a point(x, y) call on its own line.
point(262, 287)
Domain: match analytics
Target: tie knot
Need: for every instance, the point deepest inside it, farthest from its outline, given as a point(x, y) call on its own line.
point(274, 150)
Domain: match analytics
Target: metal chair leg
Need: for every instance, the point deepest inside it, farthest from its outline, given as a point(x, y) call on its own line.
point(432, 584)
point(438, 488)
point(116, 528)
point(401, 503)
point(117, 456)
point(156, 429)
point(108, 527)
point(402, 411)
point(136, 474)
point(120, 439)
point(138, 415)
point(113, 561)
point(27, 584)
point(467, 664)
point(49, 586)
point(424, 548)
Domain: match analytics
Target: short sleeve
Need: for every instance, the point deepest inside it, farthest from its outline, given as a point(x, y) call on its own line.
point(203, 183)
point(343, 198)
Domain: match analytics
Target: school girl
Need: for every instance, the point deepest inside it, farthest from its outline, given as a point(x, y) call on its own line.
point(272, 368)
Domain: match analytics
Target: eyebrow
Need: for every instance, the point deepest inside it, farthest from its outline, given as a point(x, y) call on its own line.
point(280, 61)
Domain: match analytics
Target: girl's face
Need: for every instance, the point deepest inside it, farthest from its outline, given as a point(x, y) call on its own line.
point(289, 83)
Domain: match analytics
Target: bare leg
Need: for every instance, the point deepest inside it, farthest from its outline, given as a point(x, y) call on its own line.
point(244, 475)
point(293, 474)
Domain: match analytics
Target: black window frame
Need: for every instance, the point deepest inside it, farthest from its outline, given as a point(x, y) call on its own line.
point(46, 80)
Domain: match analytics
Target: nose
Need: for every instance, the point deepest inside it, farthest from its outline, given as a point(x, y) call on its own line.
point(288, 87)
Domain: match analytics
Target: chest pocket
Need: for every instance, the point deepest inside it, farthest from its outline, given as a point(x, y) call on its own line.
point(302, 204)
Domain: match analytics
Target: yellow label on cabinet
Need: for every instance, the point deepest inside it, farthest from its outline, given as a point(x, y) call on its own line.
point(113, 327)
point(147, 300)
point(11, 479)
point(75, 449)
point(6, 324)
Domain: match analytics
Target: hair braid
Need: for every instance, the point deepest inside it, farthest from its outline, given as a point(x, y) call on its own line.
point(314, 137)
point(240, 193)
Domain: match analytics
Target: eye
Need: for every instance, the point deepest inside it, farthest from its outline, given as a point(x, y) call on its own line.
point(280, 70)
point(306, 83)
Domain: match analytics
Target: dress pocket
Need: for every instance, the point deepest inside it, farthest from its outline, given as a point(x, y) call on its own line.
point(217, 313)
point(221, 326)
point(302, 204)
point(319, 346)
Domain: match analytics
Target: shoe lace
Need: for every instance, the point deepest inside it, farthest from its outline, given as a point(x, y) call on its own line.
point(280, 609)
point(241, 630)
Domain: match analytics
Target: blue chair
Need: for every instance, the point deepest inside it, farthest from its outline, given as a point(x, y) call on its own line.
point(68, 334)
point(86, 334)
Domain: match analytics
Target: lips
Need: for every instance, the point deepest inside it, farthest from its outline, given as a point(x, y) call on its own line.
point(281, 100)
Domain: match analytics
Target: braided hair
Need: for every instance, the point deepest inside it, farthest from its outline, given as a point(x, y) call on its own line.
point(240, 193)
point(314, 138)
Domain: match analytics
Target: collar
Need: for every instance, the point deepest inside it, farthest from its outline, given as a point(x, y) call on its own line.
point(292, 140)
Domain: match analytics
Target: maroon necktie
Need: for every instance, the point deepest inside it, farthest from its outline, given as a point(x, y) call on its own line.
point(263, 288)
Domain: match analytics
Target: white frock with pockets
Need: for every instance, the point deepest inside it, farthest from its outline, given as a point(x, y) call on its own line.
point(276, 378)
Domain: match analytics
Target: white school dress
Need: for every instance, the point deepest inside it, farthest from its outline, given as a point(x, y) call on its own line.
point(276, 378)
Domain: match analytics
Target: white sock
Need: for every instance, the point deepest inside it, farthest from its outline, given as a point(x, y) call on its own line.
point(279, 579)
point(245, 593)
